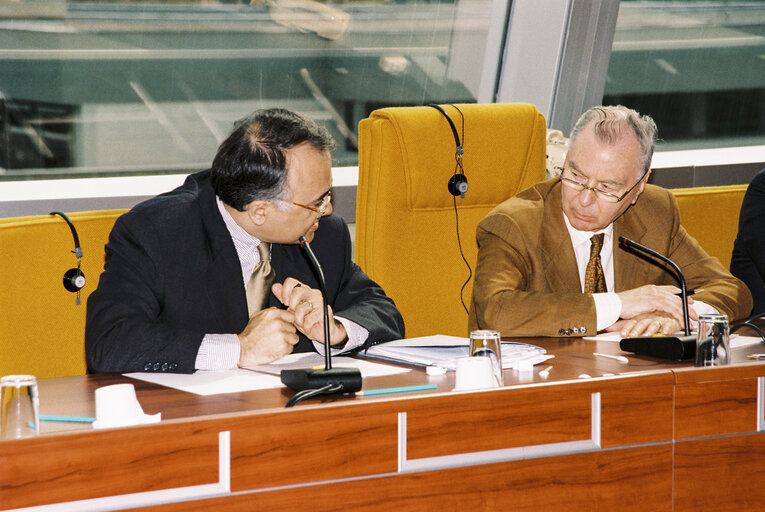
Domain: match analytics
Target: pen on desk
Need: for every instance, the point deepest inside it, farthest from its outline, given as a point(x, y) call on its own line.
point(756, 356)
point(403, 389)
point(77, 419)
point(690, 292)
point(618, 358)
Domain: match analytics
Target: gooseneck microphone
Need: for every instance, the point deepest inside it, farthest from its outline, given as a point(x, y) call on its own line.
point(668, 347)
point(310, 382)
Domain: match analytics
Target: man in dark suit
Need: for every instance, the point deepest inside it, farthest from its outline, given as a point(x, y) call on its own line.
point(173, 295)
point(748, 259)
point(537, 270)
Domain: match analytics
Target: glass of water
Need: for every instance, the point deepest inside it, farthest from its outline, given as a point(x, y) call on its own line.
point(19, 407)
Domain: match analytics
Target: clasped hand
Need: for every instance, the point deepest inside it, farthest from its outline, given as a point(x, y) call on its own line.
point(272, 333)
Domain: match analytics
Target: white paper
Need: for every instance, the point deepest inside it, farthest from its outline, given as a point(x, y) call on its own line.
point(207, 382)
point(316, 361)
point(204, 382)
point(443, 351)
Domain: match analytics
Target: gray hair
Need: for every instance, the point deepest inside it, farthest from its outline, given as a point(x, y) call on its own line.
point(609, 123)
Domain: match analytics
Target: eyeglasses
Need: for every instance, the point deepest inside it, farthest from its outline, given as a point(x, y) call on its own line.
point(322, 206)
point(604, 194)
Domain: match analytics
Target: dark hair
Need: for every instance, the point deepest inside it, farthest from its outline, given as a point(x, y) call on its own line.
point(251, 163)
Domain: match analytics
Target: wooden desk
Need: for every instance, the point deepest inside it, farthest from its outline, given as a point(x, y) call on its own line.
point(654, 435)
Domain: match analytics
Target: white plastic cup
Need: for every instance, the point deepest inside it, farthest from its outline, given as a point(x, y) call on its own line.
point(474, 373)
point(117, 406)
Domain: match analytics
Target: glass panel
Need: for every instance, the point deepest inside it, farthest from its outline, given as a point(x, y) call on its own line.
point(697, 67)
point(133, 87)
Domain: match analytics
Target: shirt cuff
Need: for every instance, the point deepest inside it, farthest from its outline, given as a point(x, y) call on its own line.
point(608, 307)
point(357, 336)
point(218, 352)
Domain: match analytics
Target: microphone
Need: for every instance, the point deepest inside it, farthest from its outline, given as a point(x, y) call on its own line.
point(667, 347)
point(311, 382)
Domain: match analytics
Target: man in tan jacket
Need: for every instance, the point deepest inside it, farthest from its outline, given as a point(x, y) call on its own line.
point(537, 276)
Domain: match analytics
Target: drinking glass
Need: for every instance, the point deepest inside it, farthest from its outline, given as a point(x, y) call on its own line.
point(19, 407)
point(713, 341)
point(488, 343)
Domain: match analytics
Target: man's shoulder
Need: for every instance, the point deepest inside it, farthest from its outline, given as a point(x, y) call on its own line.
point(171, 213)
point(526, 207)
point(654, 198)
point(175, 203)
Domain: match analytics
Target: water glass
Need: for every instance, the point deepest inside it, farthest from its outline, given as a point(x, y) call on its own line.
point(485, 343)
point(19, 407)
point(713, 341)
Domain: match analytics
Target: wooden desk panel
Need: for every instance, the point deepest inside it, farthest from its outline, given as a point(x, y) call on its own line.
point(299, 446)
point(723, 473)
point(55, 469)
point(636, 479)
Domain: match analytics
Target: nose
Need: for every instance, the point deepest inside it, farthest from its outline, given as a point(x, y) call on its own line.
point(587, 197)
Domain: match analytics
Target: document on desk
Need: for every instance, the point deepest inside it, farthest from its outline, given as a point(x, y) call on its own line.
point(204, 382)
point(443, 351)
point(316, 361)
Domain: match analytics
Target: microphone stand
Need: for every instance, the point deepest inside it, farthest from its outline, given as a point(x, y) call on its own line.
point(668, 347)
point(310, 382)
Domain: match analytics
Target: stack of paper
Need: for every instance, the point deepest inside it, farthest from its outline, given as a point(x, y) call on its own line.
point(443, 351)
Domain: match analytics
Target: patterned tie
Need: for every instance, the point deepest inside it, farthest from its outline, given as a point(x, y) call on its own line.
point(260, 282)
point(594, 279)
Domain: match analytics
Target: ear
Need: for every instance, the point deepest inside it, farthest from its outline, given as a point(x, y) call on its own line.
point(258, 211)
point(641, 187)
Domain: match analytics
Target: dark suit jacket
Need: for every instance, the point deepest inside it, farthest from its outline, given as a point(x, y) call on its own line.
point(527, 282)
point(748, 259)
point(172, 275)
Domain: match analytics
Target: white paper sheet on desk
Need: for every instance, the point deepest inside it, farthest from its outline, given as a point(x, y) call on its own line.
point(314, 360)
point(204, 382)
point(443, 351)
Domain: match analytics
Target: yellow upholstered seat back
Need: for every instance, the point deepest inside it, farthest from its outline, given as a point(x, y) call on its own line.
point(710, 215)
point(405, 219)
point(42, 330)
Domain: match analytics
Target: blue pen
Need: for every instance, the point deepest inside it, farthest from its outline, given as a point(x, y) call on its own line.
point(77, 419)
point(404, 389)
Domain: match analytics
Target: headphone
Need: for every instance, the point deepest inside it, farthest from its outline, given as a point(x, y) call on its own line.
point(457, 186)
point(458, 183)
point(74, 279)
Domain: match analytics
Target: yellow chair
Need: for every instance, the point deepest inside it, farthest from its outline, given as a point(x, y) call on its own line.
point(41, 328)
point(710, 215)
point(405, 220)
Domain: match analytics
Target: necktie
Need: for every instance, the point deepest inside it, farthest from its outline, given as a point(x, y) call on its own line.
point(261, 279)
point(594, 279)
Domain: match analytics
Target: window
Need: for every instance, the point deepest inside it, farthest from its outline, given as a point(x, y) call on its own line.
point(113, 88)
point(697, 67)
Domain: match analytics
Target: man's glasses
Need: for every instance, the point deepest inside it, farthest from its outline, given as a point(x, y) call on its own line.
point(577, 181)
point(322, 206)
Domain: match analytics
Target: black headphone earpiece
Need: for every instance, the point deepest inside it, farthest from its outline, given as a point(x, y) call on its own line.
point(74, 278)
point(458, 183)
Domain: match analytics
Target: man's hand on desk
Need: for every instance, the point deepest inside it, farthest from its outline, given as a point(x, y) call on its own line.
point(646, 325)
point(269, 335)
point(652, 299)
